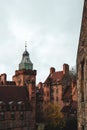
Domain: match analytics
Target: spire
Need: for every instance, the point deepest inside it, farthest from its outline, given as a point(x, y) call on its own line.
point(25, 45)
point(25, 62)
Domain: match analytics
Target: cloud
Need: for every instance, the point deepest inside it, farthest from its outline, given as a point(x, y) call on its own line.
point(51, 28)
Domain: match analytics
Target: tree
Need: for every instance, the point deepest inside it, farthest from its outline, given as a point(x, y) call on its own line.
point(71, 123)
point(54, 117)
point(72, 73)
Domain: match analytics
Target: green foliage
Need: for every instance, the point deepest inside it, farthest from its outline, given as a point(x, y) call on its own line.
point(54, 116)
point(71, 123)
point(55, 120)
point(65, 124)
point(73, 74)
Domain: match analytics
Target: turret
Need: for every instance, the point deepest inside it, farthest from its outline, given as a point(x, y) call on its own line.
point(26, 62)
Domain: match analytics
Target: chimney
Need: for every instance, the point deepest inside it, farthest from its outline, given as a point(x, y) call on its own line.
point(40, 85)
point(52, 70)
point(3, 78)
point(65, 69)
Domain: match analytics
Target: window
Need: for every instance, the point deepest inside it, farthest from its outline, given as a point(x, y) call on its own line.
point(56, 98)
point(47, 93)
point(44, 94)
point(26, 66)
point(13, 115)
point(2, 106)
point(57, 90)
point(52, 98)
point(45, 102)
point(20, 105)
point(2, 116)
point(82, 127)
point(52, 90)
point(21, 115)
point(12, 106)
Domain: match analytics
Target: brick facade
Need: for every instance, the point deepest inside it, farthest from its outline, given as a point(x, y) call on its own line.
point(18, 98)
point(58, 88)
point(82, 73)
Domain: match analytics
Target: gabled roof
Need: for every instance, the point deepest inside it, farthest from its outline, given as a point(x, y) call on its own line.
point(57, 76)
point(13, 93)
point(54, 77)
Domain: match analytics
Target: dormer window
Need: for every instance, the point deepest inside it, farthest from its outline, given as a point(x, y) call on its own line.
point(21, 109)
point(12, 106)
point(12, 115)
point(2, 115)
point(2, 106)
point(12, 109)
point(21, 115)
point(20, 106)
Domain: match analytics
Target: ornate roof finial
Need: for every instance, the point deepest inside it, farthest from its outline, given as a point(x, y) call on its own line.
point(25, 45)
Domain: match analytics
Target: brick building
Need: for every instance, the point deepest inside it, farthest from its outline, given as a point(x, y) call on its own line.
point(18, 98)
point(82, 73)
point(39, 103)
point(59, 88)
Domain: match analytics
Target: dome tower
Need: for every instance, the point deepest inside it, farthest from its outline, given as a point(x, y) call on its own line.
point(25, 62)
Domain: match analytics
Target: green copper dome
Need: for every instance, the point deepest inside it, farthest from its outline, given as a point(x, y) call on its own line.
point(25, 62)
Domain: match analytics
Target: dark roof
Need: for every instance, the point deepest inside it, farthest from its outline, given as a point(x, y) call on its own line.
point(10, 83)
point(57, 76)
point(25, 53)
point(54, 77)
point(13, 93)
point(70, 108)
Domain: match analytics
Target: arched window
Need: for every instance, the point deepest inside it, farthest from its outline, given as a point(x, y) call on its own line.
point(2, 110)
point(12, 108)
point(21, 106)
point(21, 115)
point(12, 115)
point(57, 90)
point(57, 99)
point(21, 109)
point(2, 115)
point(2, 106)
point(83, 127)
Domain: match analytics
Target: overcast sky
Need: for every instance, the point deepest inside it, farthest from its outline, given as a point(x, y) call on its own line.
point(51, 28)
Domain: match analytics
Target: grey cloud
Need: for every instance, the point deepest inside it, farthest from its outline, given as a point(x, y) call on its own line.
point(50, 26)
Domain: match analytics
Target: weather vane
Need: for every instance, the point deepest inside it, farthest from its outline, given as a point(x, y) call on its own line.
point(25, 45)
